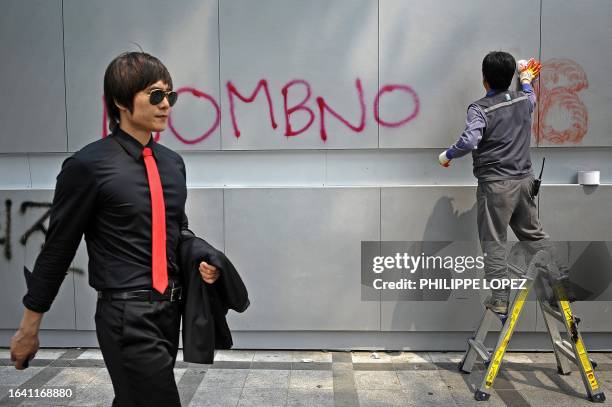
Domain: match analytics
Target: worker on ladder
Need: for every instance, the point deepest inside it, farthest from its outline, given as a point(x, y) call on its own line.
point(498, 134)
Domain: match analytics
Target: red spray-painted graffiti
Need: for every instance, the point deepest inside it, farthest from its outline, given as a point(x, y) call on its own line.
point(212, 128)
point(301, 107)
point(560, 81)
point(391, 88)
point(323, 106)
point(289, 132)
point(232, 91)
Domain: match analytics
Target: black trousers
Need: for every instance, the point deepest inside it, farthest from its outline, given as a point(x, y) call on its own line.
point(139, 342)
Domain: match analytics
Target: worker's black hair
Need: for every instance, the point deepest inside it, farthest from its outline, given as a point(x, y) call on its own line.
point(498, 69)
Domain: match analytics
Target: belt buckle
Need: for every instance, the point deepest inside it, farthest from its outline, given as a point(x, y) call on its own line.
point(175, 290)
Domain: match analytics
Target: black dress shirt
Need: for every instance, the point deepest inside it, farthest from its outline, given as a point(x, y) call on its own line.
point(103, 192)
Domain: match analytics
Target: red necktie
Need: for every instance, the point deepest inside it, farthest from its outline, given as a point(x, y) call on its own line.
point(158, 211)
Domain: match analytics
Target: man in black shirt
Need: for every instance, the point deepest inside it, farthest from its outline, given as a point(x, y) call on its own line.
point(110, 192)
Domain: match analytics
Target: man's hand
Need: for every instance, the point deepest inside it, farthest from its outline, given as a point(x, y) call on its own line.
point(209, 273)
point(24, 344)
point(528, 70)
point(443, 159)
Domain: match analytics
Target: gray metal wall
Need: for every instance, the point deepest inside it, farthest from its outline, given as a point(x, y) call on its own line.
point(291, 211)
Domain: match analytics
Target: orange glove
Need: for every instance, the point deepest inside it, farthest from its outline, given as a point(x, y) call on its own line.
point(528, 70)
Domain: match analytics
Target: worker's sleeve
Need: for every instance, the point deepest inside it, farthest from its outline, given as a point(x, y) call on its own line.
point(475, 125)
point(528, 90)
point(73, 203)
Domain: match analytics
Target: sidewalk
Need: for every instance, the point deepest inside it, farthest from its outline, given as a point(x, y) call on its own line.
point(304, 378)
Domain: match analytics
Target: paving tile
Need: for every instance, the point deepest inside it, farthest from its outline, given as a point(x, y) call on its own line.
point(273, 356)
point(601, 357)
point(547, 380)
point(234, 356)
point(268, 379)
point(253, 397)
point(224, 378)
point(542, 357)
point(342, 366)
point(369, 357)
point(269, 365)
point(94, 354)
point(417, 366)
point(98, 395)
point(344, 388)
point(178, 373)
point(321, 357)
point(460, 382)
point(73, 376)
point(100, 376)
point(311, 379)
point(465, 399)
point(374, 380)
point(230, 365)
point(81, 363)
point(410, 357)
point(4, 389)
point(45, 353)
point(418, 378)
point(383, 398)
point(425, 388)
point(342, 357)
point(605, 380)
point(547, 398)
point(311, 366)
point(9, 376)
point(513, 357)
point(50, 353)
point(189, 384)
point(512, 398)
point(445, 357)
point(503, 381)
point(215, 397)
point(310, 398)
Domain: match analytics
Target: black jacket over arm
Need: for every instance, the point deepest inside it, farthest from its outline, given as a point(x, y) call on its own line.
point(205, 305)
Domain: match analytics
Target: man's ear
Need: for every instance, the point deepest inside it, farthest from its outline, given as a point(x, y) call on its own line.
point(120, 107)
point(485, 84)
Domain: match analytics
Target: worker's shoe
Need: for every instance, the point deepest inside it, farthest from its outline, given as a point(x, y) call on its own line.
point(568, 289)
point(497, 305)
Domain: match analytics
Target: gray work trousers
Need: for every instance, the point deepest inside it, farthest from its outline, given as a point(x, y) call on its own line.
point(502, 204)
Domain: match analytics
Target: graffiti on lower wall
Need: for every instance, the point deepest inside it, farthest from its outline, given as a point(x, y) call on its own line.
point(38, 226)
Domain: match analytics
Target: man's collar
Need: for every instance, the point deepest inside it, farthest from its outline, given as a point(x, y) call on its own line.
point(131, 145)
point(492, 92)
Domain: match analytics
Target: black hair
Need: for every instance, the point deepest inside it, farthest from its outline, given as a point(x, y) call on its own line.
point(498, 69)
point(128, 74)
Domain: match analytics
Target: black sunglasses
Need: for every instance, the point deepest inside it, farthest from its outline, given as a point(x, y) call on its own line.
point(157, 95)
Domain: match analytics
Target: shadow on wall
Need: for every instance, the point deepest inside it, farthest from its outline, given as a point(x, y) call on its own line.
point(445, 224)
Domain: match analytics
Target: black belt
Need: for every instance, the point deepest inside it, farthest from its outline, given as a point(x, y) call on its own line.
point(171, 294)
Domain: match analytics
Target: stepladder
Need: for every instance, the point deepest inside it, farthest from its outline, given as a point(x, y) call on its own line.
point(568, 347)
